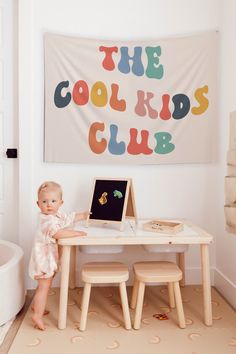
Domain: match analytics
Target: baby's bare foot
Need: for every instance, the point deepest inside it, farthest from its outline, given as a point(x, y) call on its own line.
point(38, 323)
point(46, 312)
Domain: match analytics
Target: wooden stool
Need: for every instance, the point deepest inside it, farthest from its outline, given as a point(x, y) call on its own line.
point(104, 272)
point(179, 251)
point(151, 272)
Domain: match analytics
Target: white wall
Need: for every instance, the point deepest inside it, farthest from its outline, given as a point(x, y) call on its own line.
point(186, 191)
point(225, 274)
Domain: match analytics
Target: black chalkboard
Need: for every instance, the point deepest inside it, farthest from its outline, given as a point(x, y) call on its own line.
point(109, 199)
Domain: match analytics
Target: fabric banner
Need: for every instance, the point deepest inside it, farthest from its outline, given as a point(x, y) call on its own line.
point(132, 102)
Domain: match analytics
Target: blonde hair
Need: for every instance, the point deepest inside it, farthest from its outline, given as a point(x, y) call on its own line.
point(49, 186)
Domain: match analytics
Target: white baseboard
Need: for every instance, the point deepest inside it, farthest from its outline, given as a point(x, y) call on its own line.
point(225, 287)
point(223, 284)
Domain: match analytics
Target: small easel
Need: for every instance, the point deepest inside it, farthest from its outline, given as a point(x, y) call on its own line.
point(112, 201)
point(130, 206)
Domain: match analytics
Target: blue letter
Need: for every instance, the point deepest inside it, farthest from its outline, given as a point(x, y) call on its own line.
point(124, 66)
point(59, 100)
point(114, 147)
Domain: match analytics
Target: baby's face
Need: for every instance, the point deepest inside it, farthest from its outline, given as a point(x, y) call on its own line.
point(49, 202)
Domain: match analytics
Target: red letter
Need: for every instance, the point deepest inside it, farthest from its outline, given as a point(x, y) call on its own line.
point(135, 148)
point(165, 112)
point(80, 93)
point(108, 62)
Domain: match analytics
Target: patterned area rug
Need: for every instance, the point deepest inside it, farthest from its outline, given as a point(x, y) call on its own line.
point(105, 332)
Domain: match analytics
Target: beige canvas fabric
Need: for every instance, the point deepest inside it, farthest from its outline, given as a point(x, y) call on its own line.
point(130, 102)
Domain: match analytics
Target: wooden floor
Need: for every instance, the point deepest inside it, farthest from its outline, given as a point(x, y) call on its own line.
point(4, 348)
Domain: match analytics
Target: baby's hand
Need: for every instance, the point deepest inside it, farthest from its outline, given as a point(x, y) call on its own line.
point(85, 214)
point(82, 216)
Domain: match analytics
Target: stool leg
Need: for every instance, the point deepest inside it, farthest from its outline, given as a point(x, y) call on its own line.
point(179, 305)
point(134, 294)
point(84, 306)
point(125, 305)
point(171, 295)
point(139, 305)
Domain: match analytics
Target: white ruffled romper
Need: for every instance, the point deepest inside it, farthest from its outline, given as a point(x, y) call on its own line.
point(44, 260)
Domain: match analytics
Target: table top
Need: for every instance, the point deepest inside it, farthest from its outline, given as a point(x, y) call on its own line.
point(134, 234)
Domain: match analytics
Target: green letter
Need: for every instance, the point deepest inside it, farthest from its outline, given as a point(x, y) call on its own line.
point(163, 143)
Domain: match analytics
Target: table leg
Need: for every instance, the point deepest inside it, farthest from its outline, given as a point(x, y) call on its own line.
point(206, 282)
point(180, 260)
point(72, 279)
point(65, 268)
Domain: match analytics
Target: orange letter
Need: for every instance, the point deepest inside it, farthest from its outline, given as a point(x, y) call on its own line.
point(118, 105)
point(97, 147)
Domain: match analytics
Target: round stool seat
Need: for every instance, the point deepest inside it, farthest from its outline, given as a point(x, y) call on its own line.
point(160, 271)
point(105, 272)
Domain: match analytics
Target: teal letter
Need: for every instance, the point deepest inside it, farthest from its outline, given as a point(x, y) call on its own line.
point(154, 70)
point(163, 143)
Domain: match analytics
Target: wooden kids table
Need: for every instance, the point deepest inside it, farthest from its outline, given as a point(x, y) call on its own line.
point(134, 234)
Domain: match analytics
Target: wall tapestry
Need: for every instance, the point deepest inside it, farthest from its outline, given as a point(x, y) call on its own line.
point(132, 102)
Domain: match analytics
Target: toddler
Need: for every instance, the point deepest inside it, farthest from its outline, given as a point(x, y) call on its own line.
point(44, 260)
